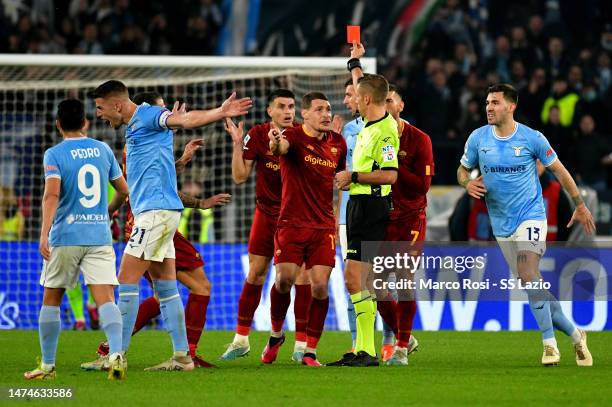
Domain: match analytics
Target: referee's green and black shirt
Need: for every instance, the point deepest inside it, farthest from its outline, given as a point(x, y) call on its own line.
point(376, 149)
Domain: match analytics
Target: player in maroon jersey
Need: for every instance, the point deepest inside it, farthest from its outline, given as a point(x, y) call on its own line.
point(254, 151)
point(189, 263)
point(407, 220)
point(310, 157)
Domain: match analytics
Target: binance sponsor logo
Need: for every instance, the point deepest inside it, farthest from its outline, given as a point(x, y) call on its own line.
point(273, 166)
point(319, 161)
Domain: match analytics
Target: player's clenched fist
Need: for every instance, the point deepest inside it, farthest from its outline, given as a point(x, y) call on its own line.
point(476, 188)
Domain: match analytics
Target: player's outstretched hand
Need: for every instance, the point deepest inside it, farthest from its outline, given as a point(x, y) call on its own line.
point(357, 50)
point(275, 135)
point(234, 131)
point(343, 180)
point(190, 149)
point(476, 188)
point(337, 123)
point(43, 247)
point(233, 107)
point(216, 200)
point(583, 216)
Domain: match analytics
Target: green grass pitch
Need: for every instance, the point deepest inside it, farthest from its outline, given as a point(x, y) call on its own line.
point(451, 368)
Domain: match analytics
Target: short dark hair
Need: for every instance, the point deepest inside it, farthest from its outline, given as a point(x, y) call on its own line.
point(309, 97)
point(280, 93)
point(377, 86)
point(393, 88)
point(350, 80)
point(71, 114)
point(147, 97)
point(510, 93)
point(110, 88)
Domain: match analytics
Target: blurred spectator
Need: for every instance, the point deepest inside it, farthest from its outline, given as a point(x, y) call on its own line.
point(560, 137)
point(603, 72)
point(12, 221)
point(472, 118)
point(590, 153)
point(90, 44)
point(592, 105)
point(531, 99)
point(556, 61)
point(518, 75)
point(574, 79)
point(500, 61)
point(536, 36)
point(562, 97)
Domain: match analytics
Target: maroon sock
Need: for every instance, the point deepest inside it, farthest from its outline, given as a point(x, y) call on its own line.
point(147, 310)
point(279, 304)
point(316, 321)
point(195, 318)
point(387, 307)
point(248, 303)
point(406, 310)
point(301, 307)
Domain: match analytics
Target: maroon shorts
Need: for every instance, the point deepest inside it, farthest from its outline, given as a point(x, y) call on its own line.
point(187, 257)
point(411, 229)
point(315, 247)
point(261, 239)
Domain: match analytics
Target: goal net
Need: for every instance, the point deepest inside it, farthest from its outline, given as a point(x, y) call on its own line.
point(31, 86)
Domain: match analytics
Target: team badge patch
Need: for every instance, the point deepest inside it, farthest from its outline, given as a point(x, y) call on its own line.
point(517, 150)
point(388, 153)
point(334, 150)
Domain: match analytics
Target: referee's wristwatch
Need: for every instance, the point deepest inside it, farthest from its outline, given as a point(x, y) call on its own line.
point(355, 177)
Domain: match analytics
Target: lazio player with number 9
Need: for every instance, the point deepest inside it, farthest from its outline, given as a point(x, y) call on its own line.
point(506, 152)
point(75, 233)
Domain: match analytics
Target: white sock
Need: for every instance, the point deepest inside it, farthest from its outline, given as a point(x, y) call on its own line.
point(46, 367)
point(276, 334)
point(241, 339)
point(550, 342)
point(180, 353)
point(310, 350)
point(576, 336)
point(299, 346)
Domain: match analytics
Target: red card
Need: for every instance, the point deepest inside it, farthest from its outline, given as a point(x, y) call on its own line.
point(353, 34)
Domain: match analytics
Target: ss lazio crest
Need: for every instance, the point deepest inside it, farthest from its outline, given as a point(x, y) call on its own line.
point(517, 150)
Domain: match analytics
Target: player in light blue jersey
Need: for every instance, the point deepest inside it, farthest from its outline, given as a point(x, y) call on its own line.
point(155, 204)
point(506, 153)
point(75, 233)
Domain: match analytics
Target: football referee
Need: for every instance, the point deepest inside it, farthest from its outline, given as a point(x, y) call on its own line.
point(374, 170)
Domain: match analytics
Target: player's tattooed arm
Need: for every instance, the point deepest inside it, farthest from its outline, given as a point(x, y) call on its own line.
point(188, 153)
point(50, 203)
point(215, 200)
point(581, 213)
point(475, 187)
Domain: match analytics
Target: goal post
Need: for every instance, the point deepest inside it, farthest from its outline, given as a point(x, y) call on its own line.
point(31, 86)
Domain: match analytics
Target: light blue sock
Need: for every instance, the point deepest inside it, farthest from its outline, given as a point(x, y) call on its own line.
point(559, 320)
point(48, 332)
point(388, 335)
point(128, 305)
point(172, 312)
point(352, 321)
point(540, 308)
point(112, 324)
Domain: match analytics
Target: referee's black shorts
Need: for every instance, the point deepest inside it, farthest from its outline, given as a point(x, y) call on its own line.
point(366, 220)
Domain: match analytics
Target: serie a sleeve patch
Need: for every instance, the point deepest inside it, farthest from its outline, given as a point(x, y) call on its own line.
point(388, 153)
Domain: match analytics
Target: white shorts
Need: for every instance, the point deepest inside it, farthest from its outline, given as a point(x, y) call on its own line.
point(343, 240)
point(62, 269)
point(529, 236)
point(153, 234)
